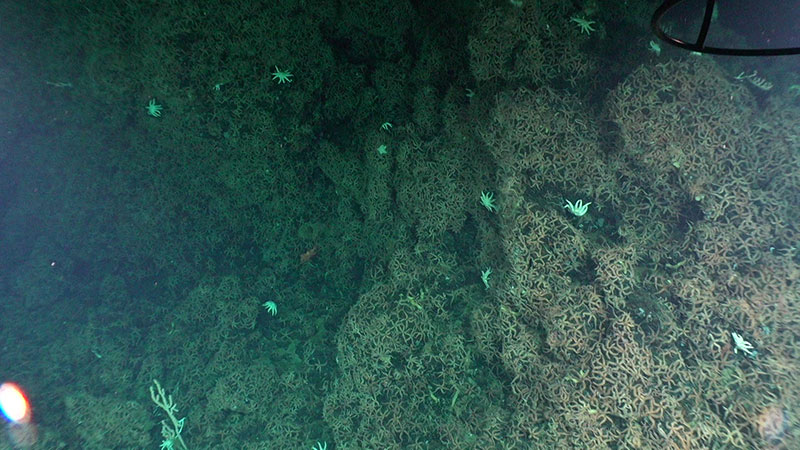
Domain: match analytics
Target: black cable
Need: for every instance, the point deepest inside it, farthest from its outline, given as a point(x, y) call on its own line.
point(699, 45)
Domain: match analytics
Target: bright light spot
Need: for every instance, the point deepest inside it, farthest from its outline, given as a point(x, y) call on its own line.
point(13, 403)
